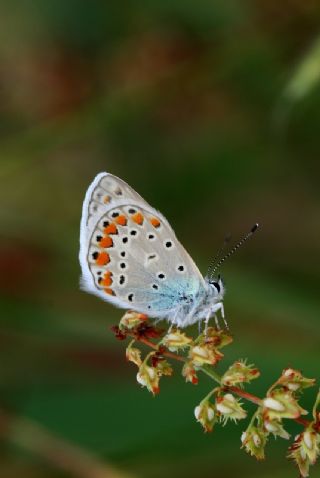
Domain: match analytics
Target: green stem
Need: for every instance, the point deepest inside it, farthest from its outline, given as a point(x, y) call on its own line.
point(211, 373)
point(131, 343)
point(254, 416)
point(209, 395)
point(315, 407)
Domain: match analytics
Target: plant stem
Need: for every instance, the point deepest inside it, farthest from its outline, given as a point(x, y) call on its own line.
point(211, 373)
point(155, 347)
point(248, 396)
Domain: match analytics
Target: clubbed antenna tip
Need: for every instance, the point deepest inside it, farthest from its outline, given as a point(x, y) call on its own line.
point(254, 228)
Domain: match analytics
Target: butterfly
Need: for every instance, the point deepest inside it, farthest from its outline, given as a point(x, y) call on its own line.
point(130, 257)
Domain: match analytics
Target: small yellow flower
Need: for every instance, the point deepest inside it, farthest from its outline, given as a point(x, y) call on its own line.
point(310, 443)
point(281, 404)
point(189, 372)
point(204, 354)
point(218, 338)
point(176, 340)
point(131, 320)
point(275, 427)
point(148, 377)
point(134, 355)
point(238, 373)
point(230, 408)
point(206, 415)
point(305, 450)
point(294, 380)
point(254, 441)
point(164, 368)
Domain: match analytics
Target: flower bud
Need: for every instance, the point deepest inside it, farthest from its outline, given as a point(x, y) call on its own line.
point(134, 355)
point(218, 338)
point(294, 380)
point(189, 372)
point(230, 408)
point(132, 319)
point(281, 404)
point(148, 377)
point(254, 441)
point(305, 450)
point(119, 334)
point(164, 368)
point(310, 443)
point(176, 340)
point(206, 415)
point(275, 427)
point(238, 373)
point(204, 354)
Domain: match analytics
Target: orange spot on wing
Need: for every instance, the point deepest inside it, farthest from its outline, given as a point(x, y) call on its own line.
point(106, 241)
point(122, 220)
point(138, 218)
point(103, 259)
point(107, 280)
point(155, 222)
point(111, 229)
point(109, 291)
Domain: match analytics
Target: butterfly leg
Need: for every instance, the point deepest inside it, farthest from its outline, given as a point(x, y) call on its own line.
point(216, 308)
point(216, 321)
point(223, 318)
point(206, 322)
point(174, 321)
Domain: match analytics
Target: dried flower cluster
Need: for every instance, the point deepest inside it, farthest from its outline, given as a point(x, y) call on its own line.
point(223, 403)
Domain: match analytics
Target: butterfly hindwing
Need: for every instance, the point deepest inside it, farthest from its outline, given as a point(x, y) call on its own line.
point(130, 255)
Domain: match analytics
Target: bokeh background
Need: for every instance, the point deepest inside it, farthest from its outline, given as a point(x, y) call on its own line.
point(211, 110)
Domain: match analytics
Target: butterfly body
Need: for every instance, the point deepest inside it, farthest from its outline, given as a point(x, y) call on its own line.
point(130, 256)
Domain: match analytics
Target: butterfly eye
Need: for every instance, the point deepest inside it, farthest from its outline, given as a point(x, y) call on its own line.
point(216, 285)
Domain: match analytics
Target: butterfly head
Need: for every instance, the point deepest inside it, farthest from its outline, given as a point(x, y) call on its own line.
point(217, 287)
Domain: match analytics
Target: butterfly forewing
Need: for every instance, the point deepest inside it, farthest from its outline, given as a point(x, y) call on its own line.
point(105, 191)
point(132, 256)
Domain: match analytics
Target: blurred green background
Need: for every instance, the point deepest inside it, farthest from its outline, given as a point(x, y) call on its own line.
point(211, 110)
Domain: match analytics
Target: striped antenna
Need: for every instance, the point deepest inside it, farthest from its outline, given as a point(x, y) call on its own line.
point(218, 255)
point(233, 250)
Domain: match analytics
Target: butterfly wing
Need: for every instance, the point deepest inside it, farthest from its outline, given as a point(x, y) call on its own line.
point(129, 254)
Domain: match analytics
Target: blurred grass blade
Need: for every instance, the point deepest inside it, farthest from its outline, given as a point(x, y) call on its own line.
point(306, 75)
point(59, 453)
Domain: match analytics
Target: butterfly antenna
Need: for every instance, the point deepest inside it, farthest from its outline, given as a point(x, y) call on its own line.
point(218, 255)
point(236, 247)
